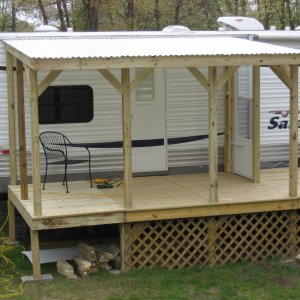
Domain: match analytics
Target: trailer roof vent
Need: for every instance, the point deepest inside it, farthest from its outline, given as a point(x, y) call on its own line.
point(46, 28)
point(240, 23)
point(176, 29)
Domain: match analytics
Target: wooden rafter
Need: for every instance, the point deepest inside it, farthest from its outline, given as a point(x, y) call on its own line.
point(140, 78)
point(199, 76)
point(283, 73)
point(47, 81)
point(112, 79)
point(227, 75)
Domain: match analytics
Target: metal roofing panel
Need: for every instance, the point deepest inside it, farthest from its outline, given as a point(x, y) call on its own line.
point(66, 48)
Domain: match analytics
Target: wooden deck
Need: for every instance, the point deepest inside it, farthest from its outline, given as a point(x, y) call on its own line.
point(155, 197)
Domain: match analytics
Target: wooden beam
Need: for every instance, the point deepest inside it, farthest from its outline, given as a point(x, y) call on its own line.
point(158, 62)
point(140, 78)
point(205, 210)
point(11, 119)
point(256, 123)
point(22, 132)
point(112, 79)
point(229, 128)
point(282, 72)
point(35, 147)
point(47, 81)
point(122, 246)
point(199, 76)
point(213, 135)
point(227, 75)
point(293, 163)
point(12, 142)
point(35, 248)
point(127, 156)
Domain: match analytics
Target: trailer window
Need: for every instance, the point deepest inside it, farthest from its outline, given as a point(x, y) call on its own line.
point(66, 104)
point(145, 91)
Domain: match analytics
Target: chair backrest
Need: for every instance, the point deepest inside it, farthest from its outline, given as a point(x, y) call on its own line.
point(54, 144)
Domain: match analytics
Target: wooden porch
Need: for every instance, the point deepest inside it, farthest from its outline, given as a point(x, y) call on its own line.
point(155, 198)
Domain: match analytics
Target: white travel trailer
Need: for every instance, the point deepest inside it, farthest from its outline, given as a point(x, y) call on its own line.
point(165, 111)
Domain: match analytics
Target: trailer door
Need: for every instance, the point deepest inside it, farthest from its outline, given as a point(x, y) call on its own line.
point(242, 145)
point(149, 123)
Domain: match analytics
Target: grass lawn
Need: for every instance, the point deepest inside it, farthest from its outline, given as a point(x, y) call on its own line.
point(268, 280)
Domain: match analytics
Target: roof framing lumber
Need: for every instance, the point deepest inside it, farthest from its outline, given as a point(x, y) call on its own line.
point(282, 72)
point(227, 75)
point(153, 62)
point(111, 78)
point(47, 81)
point(140, 78)
point(199, 76)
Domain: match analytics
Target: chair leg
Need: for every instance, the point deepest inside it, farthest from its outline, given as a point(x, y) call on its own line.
point(65, 177)
point(90, 173)
point(45, 176)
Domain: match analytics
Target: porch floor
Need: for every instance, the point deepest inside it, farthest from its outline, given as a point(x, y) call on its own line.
point(157, 194)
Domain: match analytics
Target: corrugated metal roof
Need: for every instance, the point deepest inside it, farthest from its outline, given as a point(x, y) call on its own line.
point(66, 48)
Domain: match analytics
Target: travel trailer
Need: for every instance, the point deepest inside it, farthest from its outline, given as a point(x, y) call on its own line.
point(165, 107)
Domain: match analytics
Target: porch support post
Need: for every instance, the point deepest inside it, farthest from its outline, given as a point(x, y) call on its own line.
point(293, 168)
point(35, 248)
point(22, 134)
point(36, 177)
point(213, 135)
point(127, 157)
point(12, 142)
point(229, 121)
point(256, 123)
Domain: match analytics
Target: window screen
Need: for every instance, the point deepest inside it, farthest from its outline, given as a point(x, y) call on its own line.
point(66, 104)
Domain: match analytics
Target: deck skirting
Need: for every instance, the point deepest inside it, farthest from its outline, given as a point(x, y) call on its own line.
point(209, 241)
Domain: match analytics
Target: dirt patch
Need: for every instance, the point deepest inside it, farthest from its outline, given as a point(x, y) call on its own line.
point(287, 281)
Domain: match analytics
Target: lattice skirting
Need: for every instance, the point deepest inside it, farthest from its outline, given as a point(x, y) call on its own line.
point(214, 240)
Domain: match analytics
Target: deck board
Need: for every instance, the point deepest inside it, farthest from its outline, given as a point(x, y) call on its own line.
point(156, 193)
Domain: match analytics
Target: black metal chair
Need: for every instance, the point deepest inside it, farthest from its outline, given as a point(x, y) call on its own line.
point(55, 146)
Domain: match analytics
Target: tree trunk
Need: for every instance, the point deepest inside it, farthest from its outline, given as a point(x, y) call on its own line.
point(66, 13)
point(61, 16)
point(93, 15)
point(178, 6)
point(157, 15)
point(42, 9)
point(13, 17)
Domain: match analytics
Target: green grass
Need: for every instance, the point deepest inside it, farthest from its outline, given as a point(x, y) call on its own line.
point(268, 280)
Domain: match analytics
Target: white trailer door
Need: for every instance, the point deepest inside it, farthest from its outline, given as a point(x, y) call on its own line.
point(242, 145)
point(149, 151)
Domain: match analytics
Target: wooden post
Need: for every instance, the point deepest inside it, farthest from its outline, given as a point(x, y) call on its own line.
point(229, 108)
point(11, 117)
point(213, 136)
point(293, 169)
point(35, 248)
point(256, 123)
point(12, 142)
point(122, 246)
point(36, 178)
point(127, 157)
point(22, 134)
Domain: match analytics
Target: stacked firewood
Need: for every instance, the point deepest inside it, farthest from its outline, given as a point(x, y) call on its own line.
point(91, 259)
